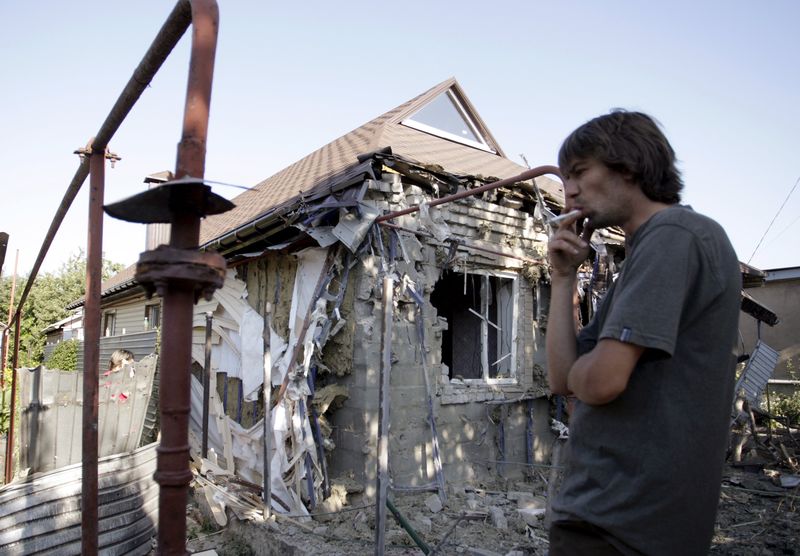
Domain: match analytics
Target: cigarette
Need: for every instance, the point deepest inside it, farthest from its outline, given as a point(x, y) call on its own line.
point(561, 217)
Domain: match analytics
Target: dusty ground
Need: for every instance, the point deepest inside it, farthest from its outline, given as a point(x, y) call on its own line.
point(756, 517)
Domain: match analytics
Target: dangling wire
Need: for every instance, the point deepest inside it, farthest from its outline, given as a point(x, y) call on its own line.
point(773, 220)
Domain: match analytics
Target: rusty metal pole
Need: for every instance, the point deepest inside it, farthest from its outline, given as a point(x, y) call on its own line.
point(91, 353)
point(173, 474)
point(168, 36)
point(3, 246)
point(4, 359)
point(10, 435)
point(180, 273)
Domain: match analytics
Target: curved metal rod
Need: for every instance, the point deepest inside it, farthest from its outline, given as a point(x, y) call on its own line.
point(168, 36)
point(527, 175)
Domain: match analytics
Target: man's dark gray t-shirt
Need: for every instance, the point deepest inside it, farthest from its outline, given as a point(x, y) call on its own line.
point(647, 466)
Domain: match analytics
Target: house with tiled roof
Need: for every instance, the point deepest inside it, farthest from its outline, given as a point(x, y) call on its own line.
point(467, 388)
point(432, 319)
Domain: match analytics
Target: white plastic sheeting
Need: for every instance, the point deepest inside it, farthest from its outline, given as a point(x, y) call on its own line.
point(237, 329)
point(238, 350)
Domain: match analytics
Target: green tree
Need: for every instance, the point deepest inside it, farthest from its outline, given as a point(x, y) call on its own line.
point(47, 301)
point(64, 356)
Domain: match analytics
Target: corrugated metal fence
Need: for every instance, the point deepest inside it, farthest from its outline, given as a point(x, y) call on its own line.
point(42, 515)
point(51, 403)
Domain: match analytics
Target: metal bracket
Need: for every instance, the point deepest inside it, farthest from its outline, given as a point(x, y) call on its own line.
point(165, 264)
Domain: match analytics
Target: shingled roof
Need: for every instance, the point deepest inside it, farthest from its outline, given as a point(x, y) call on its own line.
point(315, 170)
point(121, 281)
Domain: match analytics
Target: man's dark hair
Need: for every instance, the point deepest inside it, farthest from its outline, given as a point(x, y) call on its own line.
point(632, 144)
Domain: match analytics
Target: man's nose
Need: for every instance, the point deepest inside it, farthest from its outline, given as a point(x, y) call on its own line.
point(570, 188)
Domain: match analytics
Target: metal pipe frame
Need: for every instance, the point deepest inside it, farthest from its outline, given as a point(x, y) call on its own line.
point(166, 39)
point(91, 353)
point(168, 36)
point(527, 175)
point(7, 330)
point(3, 246)
point(9, 470)
point(173, 474)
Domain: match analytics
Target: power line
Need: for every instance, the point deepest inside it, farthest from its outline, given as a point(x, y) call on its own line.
point(773, 220)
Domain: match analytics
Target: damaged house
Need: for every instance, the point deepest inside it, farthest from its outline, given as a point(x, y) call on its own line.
point(466, 303)
point(323, 273)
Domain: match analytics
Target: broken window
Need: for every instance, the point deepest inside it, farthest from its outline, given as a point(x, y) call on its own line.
point(481, 313)
point(446, 117)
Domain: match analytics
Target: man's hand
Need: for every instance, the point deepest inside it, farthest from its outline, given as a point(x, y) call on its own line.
point(566, 249)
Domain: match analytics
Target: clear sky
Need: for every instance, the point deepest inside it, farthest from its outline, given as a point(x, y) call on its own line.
point(721, 76)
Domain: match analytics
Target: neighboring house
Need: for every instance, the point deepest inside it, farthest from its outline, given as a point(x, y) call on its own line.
point(128, 320)
point(68, 328)
point(779, 290)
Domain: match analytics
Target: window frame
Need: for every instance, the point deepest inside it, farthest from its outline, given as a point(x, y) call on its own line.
point(148, 325)
point(112, 315)
point(486, 359)
point(483, 144)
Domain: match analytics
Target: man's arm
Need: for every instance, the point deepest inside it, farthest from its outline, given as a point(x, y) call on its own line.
point(560, 337)
point(602, 374)
point(597, 377)
point(566, 252)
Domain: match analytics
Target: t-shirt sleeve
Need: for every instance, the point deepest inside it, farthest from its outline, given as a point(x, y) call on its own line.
point(654, 287)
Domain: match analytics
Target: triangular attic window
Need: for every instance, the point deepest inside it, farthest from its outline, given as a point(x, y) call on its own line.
point(446, 117)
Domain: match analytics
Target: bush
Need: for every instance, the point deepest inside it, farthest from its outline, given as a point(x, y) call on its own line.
point(64, 356)
point(787, 407)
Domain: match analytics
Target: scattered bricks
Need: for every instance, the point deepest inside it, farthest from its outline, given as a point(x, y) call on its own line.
point(532, 502)
point(456, 489)
point(517, 496)
point(361, 524)
point(498, 518)
point(423, 524)
point(531, 516)
point(480, 552)
point(434, 503)
point(398, 537)
point(364, 291)
point(334, 503)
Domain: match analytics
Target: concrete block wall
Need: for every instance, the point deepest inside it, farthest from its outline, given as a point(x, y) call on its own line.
point(467, 416)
